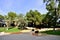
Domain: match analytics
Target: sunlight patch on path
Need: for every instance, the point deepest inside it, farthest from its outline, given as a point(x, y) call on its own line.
point(25, 31)
point(3, 33)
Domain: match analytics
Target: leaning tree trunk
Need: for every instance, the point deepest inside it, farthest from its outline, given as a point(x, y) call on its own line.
point(17, 24)
point(7, 23)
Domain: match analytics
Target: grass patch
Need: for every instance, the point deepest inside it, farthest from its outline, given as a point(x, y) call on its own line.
point(13, 30)
point(56, 32)
point(1, 29)
point(9, 30)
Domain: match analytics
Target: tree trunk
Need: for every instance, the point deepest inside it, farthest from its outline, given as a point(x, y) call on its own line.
point(7, 23)
point(54, 29)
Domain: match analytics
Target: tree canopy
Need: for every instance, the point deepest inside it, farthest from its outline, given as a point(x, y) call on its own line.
point(12, 15)
point(53, 8)
point(34, 17)
point(50, 4)
point(1, 16)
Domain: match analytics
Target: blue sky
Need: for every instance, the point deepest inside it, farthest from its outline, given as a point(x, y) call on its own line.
point(21, 6)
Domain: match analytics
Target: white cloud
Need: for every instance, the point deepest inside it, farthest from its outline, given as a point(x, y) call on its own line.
point(2, 12)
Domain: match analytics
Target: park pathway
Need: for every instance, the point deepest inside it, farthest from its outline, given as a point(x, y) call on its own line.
point(28, 36)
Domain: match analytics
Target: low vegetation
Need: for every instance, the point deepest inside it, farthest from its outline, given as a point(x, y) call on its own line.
point(56, 32)
point(9, 30)
point(1, 29)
